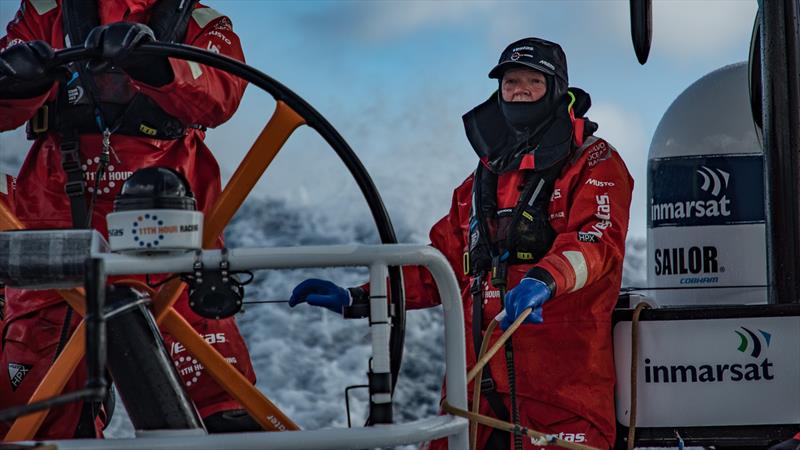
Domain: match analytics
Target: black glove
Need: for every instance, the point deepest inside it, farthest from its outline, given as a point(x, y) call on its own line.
point(25, 70)
point(113, 43)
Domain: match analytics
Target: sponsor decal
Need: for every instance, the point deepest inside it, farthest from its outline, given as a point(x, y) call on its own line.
point(149, 230)
point(604, 214)
point(74, 95)
point(714, 180)
point(16, 373)
point(587, 237)
point(557, 215)
point(599, 152)
point(524, 47)
point(491, 293)
point(525, 256)
point(547, 64)
point(13, 42)
point(599, 183)
point(515, 56)
point(212, 338)
point(276, 423)
point(219, 35)
point(555, 195)
point(109, 179)
point(223, 24)
point(715, 190)
point(752, 341)
point(716, 372)
point(212, 48)
point(702, 261)
point(190, 369)
point(568, 437)
point(691, 209)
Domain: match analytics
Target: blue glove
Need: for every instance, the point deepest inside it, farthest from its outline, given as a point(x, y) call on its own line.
point(321, 293)
point(529, 293)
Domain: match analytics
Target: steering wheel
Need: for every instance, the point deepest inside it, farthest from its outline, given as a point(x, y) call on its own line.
point(291, 112)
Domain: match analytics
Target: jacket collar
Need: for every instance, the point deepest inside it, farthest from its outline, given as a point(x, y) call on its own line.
point(501, 149)
point(118, 10)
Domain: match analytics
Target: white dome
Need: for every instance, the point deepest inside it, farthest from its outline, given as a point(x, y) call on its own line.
point(705, 187)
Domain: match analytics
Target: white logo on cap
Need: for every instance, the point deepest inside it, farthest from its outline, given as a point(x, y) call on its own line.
point(516, 55)
point(522, 48)
point(547, 64)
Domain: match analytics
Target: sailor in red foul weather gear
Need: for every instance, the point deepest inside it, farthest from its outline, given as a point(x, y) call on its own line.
point(153, 112)
point(544, 217)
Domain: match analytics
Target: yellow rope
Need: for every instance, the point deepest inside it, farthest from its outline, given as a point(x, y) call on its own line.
point(484, 359)
point(476, 388)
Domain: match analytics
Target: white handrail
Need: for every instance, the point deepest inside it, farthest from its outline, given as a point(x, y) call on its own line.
point(377, 258)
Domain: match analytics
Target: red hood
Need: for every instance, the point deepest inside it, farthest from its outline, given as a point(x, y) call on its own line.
point(114, 10)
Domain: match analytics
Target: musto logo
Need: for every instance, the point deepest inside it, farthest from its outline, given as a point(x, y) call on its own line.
point(701, 262)
point(748, 342)
point(714, 190)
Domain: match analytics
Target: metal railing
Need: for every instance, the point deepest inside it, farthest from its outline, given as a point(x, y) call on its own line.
point(377, 258)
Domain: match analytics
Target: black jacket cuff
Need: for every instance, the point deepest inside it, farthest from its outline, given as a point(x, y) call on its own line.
point(543, 276)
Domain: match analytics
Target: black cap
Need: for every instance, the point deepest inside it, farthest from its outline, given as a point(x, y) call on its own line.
point(535, 53)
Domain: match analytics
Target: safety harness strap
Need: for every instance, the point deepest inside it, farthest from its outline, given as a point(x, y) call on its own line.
point(487, 385)
point(78, 19)
point(75, 187)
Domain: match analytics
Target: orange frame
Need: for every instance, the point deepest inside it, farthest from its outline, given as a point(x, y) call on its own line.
point(281, 125)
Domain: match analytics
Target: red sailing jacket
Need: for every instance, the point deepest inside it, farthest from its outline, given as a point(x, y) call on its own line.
point(198, 95)
point(567, 361)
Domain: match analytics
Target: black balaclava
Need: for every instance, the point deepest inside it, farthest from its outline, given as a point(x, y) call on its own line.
point(529, 117)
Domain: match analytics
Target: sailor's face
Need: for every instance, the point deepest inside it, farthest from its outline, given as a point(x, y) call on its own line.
point(523, 85)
